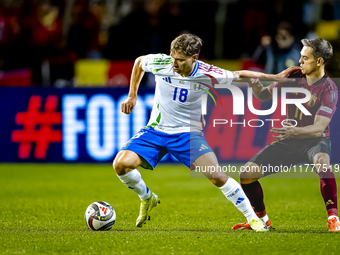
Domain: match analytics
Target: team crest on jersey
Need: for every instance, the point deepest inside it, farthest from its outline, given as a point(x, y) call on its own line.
point(197, 87)
point(312, 100)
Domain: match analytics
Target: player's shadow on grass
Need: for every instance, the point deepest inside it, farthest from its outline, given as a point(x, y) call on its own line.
point(170, 230)
point(302, 231)
point(229, 231)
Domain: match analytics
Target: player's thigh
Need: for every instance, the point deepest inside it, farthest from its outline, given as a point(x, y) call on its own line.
point(318, 151)
point(187, 147)
point(150, 145)
point(126, 161)
point(275, 156)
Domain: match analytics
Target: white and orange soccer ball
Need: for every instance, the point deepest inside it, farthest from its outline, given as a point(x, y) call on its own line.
point(100, 216)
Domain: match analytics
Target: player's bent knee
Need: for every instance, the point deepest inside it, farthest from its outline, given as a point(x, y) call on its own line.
point(122, 166)
point(248, 180)
point(321, 159)
point(250, 172)
point(119, 167)
point(125, 162)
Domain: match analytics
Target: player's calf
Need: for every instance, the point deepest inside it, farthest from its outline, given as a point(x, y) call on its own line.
point(125, 165)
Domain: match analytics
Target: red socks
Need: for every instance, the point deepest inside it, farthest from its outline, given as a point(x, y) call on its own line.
point(329, 191)
point(327, 186)
point(255, 195)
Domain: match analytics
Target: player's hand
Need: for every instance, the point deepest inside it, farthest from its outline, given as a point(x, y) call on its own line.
point(255, 85)
point(287, 72)
point(284, 132)
point(128, 105)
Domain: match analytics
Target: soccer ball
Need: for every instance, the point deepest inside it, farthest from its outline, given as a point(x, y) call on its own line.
point(100, 216)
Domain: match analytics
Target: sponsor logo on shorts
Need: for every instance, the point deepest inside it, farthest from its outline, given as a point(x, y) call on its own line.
point(203, 147)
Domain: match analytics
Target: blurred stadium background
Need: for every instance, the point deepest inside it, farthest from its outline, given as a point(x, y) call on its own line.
point(66, 65)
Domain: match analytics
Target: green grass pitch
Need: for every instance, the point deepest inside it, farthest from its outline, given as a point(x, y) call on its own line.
point(42, 212)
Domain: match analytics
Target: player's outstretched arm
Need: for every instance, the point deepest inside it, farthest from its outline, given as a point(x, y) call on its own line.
point(280, 77)
point(136, 77)
point(311, 131)
point(264, 93)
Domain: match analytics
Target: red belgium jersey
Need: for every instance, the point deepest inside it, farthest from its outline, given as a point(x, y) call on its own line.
point(324, 97)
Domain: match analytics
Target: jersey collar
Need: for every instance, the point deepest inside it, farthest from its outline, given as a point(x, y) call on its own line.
point(319, 81)
point(195, 69)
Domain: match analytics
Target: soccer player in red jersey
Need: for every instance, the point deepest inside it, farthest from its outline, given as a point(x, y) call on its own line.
point(308, 140)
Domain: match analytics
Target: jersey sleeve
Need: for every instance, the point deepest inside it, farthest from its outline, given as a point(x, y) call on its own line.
point(328, 103)
point(228, 77)
point(225, 77)
point(218, 76)
point(155, 63)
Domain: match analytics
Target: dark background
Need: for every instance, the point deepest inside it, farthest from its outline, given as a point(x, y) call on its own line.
point(49, 36)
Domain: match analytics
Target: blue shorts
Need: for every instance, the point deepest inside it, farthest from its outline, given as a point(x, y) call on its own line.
point(153, 145)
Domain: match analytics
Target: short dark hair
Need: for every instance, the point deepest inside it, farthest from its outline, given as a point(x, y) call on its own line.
point(188, 44)
point(321, 48)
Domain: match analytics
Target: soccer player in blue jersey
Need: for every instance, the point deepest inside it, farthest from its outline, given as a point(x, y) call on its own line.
point(176, 124)
point(308, 141)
